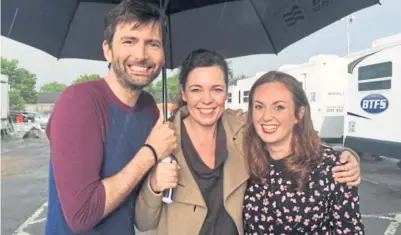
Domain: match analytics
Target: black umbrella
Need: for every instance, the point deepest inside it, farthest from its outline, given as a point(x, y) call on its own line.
point(74, 28)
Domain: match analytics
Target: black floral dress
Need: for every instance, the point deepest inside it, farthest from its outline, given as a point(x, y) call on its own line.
point(325, 207)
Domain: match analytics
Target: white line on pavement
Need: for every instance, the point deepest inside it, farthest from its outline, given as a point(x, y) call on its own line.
point(392, 228)
point(29, 221)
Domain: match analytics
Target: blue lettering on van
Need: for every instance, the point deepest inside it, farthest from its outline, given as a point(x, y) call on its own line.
point(374, 103)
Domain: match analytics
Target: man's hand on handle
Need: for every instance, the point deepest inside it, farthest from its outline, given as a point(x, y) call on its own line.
point(163, 138)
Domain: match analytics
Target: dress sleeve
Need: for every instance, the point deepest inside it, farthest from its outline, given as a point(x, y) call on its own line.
point(345, 215)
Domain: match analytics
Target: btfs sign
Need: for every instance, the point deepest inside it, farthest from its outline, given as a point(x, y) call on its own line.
point(374, 103)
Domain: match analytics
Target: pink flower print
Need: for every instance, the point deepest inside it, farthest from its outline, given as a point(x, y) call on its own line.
point(315, 217)
point(274, 204)
point(293, 200)
point(307, 209)
point(342, 189)
point(287, 228)
point(296, 208)
point(347, 230)
point(283, 198)
point(303, 199)
point(256, 219)
point(332, 186)
point(355, 199)
point(258, 196)
point(314, 227)
point(269, 218)
point(263, 218)
point(280, 221)
point(311, 184)
point(317, 193)
point(337, 207)
point(286, 210)
point(339, 224)
point(352, 205)
point(278, 213)
point(289, 218)
point(321, 182)
point(306, 222)
point(271, 228)
point(280, 181)
point(265, 202)
point(346, 215)
point(277, 192)
point(311, 199)
point(347, 195)
point(336, 216)
point(298, 218)
point(283, 188)
point(261, 227)
point(290, 194)
point(316, 208)
point(264, 209)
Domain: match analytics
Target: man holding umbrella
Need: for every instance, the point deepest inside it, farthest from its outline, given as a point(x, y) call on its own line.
point(105, 135)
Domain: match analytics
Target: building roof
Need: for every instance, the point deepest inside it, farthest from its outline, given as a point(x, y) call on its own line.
point(48, 97)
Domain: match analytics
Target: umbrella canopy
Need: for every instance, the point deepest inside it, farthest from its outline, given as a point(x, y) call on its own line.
point(74, 29)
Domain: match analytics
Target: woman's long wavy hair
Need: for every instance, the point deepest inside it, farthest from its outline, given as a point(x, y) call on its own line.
point(305, 141)
point(196, 59)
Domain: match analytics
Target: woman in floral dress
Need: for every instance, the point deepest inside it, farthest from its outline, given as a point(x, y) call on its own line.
point(291, 188)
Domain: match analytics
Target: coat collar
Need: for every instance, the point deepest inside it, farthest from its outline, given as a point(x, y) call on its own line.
point(235, 167)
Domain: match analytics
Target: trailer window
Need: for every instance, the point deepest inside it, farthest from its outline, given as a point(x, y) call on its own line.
point(246, 96)
point(372, 86)
point(373, 71)
point(229, 99)
point(379, 71)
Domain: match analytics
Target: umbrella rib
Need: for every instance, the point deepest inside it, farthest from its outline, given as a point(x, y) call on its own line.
point(264, 26)
point(68, 30)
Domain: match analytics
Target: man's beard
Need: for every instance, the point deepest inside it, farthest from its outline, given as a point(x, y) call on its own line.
point(125, 78)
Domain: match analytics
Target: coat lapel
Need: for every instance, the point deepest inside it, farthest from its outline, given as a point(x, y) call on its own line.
point(187, 190)
point(235, 168)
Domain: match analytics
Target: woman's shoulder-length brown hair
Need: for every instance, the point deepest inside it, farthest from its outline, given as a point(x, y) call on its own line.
point(305, 141)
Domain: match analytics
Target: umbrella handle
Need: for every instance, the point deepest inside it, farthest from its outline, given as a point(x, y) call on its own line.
point(168, 193)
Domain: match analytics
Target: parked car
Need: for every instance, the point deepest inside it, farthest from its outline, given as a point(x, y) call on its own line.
point(42, 119)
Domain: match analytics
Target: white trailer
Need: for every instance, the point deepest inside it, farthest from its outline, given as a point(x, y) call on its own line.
point(374, 99)
point(238, 95)
point(5, 88)
point(324, 80)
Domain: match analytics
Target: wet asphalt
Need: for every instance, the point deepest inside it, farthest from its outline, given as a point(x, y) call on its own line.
point(24, 185)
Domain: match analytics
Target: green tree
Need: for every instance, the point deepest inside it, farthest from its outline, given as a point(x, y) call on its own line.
point(173, 87)
point(53, 87)
point(86, 77)
point(22, 84)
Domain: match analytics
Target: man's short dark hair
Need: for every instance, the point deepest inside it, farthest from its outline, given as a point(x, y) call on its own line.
point(141, 12)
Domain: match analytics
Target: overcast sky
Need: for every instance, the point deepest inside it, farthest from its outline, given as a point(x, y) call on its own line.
point(371, 23)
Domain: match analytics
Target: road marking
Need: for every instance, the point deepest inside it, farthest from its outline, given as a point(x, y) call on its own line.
point(395, 219)
point(383, 184)
point(31, 220)
point(392, 228)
